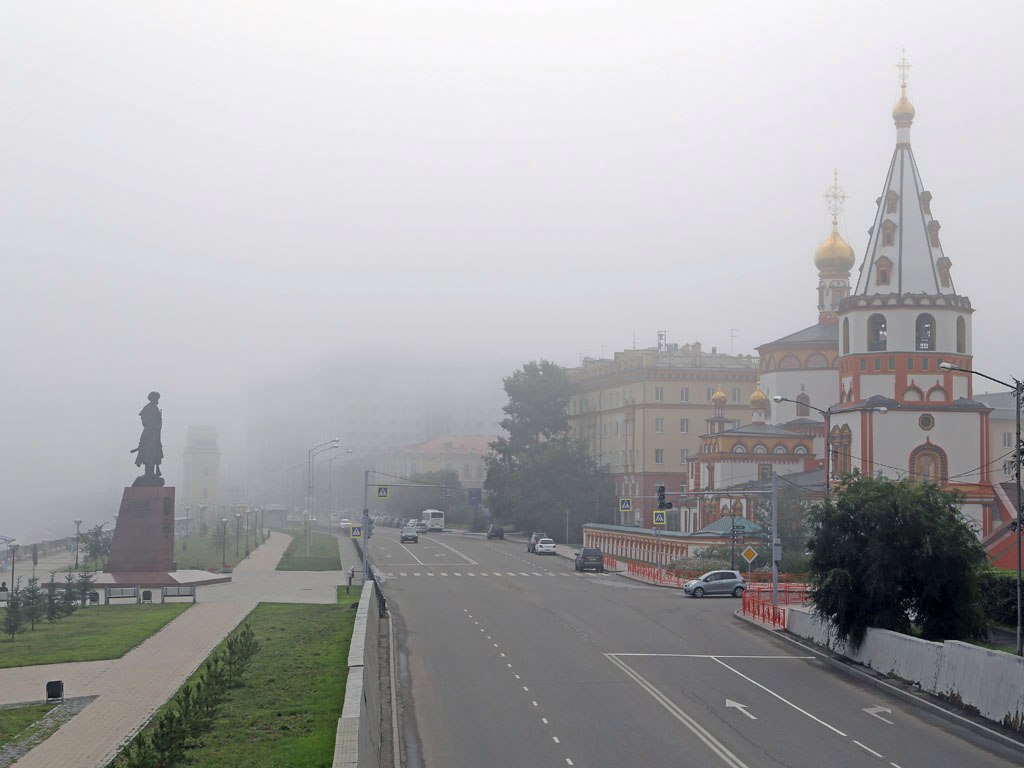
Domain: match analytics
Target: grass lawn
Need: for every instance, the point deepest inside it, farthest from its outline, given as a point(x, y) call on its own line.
point(14, 720)
point(89, 634)
point(286, 714)
point(323, 553)
point(204, 552)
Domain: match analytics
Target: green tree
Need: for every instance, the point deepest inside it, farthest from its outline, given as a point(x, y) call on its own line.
point(68, 605)
point(895, 554)
point(537, 475)
point(14, 617)
point(97, 544)
point(84, 585)
point(53, 607)
point(33, 603)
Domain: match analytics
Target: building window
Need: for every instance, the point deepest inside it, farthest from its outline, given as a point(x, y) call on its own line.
point(659, 455)
point(933, 233)
point(779, 449)
point(803, 402)
point(659, 425)
point(684, 395)
point(684, 455)
point(888, 232)
point(925, 333)
point(924, 364)
point(764, 472)
point(659, 394)
point(892, 363)
point(1007, 440)
point(892, 201)
point(961, 335)
point(878, 363)
point(928, 464)
point(846, 335)
point(735, 395)
point(876, 333)
point(800, 451)
point(760, 449)
point(739, 449)
point(684, 426)
point(883, 275)
point(910, 363)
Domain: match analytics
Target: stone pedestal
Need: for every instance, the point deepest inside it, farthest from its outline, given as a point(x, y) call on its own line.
point(144, 534)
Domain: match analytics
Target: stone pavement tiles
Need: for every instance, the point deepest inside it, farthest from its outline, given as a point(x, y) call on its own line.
point(130, 689)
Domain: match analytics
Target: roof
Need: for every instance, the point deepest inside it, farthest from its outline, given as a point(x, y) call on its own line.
point(758, 429)
point(880, 401)
point(1001, 403)
point(821, 333)
point(812, 480)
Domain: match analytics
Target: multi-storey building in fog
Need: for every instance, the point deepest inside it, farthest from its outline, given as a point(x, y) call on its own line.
point(642, 414)
point(200, 473)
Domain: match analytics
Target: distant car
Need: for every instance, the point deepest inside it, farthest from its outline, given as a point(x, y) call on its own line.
point(534, 538)
point(544, 547)
point(410, 534)
point(716, 583)
point(495, 532)
point(589, 557)
point(345, 523)
point(420, 526)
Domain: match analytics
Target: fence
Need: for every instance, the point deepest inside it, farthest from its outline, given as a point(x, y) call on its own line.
point(762, 609)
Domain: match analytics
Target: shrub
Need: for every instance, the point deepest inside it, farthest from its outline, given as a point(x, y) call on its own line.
point(999, 596)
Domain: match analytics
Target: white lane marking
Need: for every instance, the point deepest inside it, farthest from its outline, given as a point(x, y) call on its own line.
point(469, 560)
point(730, 704)
point(458, 574)
point(443, 573)
point(868, 749)
point(534, 703)
point(415, 574)
point(509, 665)
point(874, 712)
point(780, 698)
point(894, 765)
point(465, 610)
point(523, 574)
point(418, 561)
point(477, 623)
point(536, 574)
point(526, 689)
point(471, 574)
point(503, 655)
point(403, 574)
point(544, 720)
point(517, 676)
point(569, 762)
point(510, 573)
point(696, 728)
point(708, 656)
point(555, 738)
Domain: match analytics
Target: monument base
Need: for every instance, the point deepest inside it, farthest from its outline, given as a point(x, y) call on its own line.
point(144, 535)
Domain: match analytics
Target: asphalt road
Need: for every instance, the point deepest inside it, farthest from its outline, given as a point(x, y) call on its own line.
point(512, 659)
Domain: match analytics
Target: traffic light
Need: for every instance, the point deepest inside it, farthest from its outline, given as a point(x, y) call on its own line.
point(661, 497)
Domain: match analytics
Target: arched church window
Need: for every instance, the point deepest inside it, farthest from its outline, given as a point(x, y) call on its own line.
point(925, 333)
point(876, 333)
point(937, 394)
point(888, 233)
point(883, 271)
point(760, 449)
point(800, 451)
point(739, 449)
point(928, 464)
point(816, 360)
point(961, 336)
point(913, 394)
point(892, 201)
point(803, 402)
point(846, 335)
point(779, 449)
point(789, 362)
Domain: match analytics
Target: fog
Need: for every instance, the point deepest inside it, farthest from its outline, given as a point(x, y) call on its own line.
point(237, 202)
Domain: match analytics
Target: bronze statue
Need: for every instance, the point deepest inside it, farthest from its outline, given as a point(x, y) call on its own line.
point(150, 451)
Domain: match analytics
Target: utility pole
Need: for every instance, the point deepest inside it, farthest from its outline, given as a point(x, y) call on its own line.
point(775, 543)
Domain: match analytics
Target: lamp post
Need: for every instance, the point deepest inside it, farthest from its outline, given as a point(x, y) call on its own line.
point(827, 413)
point(329, 445)
point(1018, 394)
point(14, 555)
point(223, 541)
point(78, 540)
point(238, 530)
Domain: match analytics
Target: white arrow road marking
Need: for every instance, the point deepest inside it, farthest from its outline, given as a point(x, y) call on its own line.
point(874, 712)
point(741, 707)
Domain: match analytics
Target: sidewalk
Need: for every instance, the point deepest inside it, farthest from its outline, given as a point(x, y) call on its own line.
point(132, 688)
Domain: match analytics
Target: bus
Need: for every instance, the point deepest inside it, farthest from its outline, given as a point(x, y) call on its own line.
point(434, 519)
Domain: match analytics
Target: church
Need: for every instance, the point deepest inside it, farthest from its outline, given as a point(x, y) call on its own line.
point(874, 385)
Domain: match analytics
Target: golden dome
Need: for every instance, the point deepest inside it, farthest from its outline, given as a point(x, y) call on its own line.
point(834, 254)
point(904, 110)
point(758, 400)
point(719, 398)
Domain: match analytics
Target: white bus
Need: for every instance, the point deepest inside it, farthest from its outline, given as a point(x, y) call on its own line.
point(434, 519)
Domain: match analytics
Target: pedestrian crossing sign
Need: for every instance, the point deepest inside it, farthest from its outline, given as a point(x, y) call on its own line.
point(625, 505)
point(659, 517)
point(356, 532)
point(382, 491)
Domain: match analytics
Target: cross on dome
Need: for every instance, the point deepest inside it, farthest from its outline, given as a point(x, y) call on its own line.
point(836, 196)
point(903, 66)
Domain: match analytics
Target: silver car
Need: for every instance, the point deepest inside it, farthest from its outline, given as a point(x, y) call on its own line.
point(716, 583)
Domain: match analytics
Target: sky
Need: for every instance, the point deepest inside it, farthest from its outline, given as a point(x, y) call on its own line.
point(197, 195)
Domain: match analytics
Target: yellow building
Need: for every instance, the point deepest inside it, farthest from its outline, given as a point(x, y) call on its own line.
point(642, 414)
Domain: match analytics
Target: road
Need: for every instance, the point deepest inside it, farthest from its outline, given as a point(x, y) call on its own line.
point(513, 659)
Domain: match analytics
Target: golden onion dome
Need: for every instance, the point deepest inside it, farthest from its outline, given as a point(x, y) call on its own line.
point(719, 398)
point(834, 254)
point(758, 400)
point(903, 110)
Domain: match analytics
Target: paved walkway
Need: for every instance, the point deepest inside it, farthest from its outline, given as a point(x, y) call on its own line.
point(132, 688)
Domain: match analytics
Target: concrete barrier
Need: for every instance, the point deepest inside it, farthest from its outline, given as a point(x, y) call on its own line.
point(990, 682)
point(357, 740)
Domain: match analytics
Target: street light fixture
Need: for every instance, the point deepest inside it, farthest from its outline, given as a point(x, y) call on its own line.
point(14, 556)
point(1018, 394)
point(223, 541)
point(78, 540)
point(827, 413)
point(238, 530)
point(328, 446)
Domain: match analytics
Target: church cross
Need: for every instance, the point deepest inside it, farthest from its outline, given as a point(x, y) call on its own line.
point(835, 197)
point(904, 67)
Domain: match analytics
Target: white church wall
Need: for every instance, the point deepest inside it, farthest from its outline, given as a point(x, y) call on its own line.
point(877, 385)
point(821, 385)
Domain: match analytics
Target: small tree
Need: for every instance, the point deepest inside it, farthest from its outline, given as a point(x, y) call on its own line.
point(53, 608)
point(33, 603)
point(68, 603)
point(14, 617)
point(97, 544)
point(84, 585)
point(891, 554)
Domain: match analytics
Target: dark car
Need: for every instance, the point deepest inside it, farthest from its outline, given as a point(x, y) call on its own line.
point(589, 557)
point(495, 532)
point(531, 545)
point(410, 534)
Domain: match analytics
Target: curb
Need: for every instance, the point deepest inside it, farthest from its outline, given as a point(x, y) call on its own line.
point(894, 686)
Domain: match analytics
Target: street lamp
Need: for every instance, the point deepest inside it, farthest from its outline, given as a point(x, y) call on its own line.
point(223, 541)
point(328, 446)
point(827, 413)
point(78, 540)
point(1018, 394)
point(14, 556)
point(238, 530)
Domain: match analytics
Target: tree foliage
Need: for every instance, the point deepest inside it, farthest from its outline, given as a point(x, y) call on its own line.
point(13, 622)
point(895, 555)
point(537, 472)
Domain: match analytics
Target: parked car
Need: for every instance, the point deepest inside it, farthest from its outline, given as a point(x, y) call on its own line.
point(495, 532)
point(534, 538)
point(716, 583)
point(544, 547)
point(410, 534)
point(589, 557)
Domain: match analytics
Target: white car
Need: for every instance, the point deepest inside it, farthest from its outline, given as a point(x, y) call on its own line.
point(545, 547)
point(345, 523)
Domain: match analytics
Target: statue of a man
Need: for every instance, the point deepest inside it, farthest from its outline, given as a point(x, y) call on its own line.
point(150, 451)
